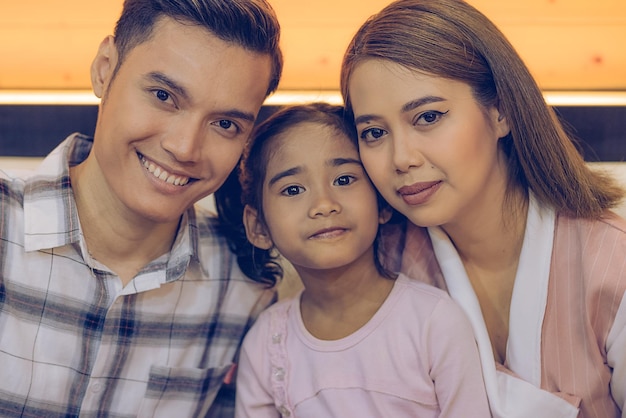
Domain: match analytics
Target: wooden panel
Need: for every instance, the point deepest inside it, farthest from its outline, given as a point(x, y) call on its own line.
point(567, 44)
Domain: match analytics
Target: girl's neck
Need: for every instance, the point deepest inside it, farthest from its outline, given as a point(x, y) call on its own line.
point(335, 304)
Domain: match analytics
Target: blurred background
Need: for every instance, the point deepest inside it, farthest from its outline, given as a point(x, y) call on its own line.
point(575, 48)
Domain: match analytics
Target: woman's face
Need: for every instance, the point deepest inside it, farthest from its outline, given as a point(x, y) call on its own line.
point(426, 143)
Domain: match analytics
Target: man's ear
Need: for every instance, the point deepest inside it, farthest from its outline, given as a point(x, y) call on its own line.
point(103, 66)
point(256, 232)
point(385, 214)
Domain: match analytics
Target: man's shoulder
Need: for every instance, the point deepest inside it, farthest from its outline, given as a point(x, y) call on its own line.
point(207, 225)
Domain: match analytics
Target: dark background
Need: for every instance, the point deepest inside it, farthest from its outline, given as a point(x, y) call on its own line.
point(34, 130)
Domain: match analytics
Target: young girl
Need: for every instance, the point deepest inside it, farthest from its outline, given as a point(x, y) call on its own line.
point(456, 135)
point(357, 341)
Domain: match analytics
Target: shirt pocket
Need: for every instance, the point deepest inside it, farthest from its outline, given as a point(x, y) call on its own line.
point(181, 391)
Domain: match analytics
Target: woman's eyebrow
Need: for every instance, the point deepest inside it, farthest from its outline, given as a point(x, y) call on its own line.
point(413, 104)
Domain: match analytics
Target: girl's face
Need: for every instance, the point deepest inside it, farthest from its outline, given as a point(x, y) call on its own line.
point(428, 146)
point(320, 207)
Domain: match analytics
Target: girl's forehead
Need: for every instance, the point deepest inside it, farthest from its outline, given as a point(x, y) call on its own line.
point(308, 138)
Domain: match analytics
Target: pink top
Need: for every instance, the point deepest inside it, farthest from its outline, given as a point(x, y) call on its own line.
point(567, 334)
point(416, 357)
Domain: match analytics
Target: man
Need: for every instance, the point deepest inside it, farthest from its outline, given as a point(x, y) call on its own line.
point(117, 297)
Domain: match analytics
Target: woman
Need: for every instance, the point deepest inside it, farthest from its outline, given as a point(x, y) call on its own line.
point(505, 214)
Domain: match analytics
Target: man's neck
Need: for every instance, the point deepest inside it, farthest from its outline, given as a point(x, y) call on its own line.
point(115, 237)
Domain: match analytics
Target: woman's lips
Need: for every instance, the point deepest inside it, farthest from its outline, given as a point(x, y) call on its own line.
point(418, 193)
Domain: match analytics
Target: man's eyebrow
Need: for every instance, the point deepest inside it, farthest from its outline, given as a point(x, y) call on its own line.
point(286, 173)
point(239, 114)
point(161, 78)
point(413, 104)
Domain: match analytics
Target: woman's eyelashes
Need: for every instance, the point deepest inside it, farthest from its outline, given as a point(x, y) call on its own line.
point(421, 120)
point(429, 117)
point(372, 134)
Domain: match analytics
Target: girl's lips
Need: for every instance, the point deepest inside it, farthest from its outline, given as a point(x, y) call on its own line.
point(418, 193)
point(327, 233)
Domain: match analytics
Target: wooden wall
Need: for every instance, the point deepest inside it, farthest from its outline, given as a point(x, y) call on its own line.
point(568, 44)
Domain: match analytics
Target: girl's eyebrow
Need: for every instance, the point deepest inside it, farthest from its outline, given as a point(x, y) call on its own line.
point(336, 162)
point(286, 173)
point(413, 104)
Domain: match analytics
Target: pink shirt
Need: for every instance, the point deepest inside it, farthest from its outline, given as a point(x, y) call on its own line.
point(567, 334)
point(416, 357)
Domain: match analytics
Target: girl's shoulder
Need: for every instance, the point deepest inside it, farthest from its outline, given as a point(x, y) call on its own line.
point(426, 300)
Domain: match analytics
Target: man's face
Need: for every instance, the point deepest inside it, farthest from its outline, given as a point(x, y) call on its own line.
point(173, 120)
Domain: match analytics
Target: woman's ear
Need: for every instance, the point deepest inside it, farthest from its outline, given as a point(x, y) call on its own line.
point(500, 123)
point(103, 66)
point(256, 232)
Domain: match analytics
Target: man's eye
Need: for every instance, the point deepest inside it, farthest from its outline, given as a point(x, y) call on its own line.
point(228, 127)
point(225, 124)
point(162, 95)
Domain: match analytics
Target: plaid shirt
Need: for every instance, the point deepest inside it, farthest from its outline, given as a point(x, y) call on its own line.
point(73, 342)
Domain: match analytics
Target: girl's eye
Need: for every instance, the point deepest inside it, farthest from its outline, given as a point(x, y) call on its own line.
point(344, 180)
point(429, 117)
point(372, 134)
point(292, 190)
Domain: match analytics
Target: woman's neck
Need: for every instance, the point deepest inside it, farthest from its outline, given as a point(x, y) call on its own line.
point(490, 252)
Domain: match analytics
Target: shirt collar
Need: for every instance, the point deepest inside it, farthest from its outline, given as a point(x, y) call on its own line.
point(50, 215)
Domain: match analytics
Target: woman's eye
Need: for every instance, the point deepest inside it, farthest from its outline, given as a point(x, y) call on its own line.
point(372, 134)
point(430, 117)
point(292, 190)
point(344, 180)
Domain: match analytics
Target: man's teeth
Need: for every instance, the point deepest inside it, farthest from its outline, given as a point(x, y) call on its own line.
point(161, 174)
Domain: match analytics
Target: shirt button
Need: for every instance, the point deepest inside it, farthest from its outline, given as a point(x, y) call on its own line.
point(97, 387)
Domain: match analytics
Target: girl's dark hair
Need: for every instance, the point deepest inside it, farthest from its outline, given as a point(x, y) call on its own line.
point(451, 39)
point(252, 169)
point(251, 24)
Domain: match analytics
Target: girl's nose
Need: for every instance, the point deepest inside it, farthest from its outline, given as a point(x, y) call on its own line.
point(324, 204)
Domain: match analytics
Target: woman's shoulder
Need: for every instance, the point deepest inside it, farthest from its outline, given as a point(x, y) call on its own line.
point(609, 230)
